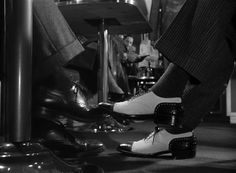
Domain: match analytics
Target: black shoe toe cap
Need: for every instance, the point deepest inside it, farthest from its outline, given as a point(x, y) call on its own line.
point(125, 148)
point(107, 107)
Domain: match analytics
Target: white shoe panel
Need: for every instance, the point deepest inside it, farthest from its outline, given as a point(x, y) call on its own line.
point(156, 142)
point(144, 104)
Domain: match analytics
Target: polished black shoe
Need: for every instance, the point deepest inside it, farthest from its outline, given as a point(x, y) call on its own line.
point(91, 168)
point(161, 142)
point(71, 104)
point(55, 137)
point(116, 97)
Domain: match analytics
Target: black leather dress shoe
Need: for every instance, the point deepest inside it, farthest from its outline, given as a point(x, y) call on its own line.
point(71, 104)
point(55, 137)
point(90, 168)
point(116, 97)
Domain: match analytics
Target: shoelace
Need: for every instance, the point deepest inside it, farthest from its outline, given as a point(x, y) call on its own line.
point(153, 134)
point(138, 95)
point(76, 86)
point(77, 89)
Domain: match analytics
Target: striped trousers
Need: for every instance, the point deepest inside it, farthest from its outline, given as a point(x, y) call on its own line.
point(202, 41)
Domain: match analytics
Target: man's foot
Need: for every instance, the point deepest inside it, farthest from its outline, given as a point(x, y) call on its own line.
point(159, 142)
point(141, 107)
point(54, 136)
point(72, 104)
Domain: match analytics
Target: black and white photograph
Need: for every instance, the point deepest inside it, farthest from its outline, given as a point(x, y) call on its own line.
point(118, 86)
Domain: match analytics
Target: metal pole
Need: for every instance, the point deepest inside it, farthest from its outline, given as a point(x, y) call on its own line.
point(103, 67)
point(19, 70)
point(3, 50)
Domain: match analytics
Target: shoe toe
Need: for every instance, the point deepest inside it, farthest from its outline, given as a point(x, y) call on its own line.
point(107, 107)
point(125, 148)
point(90, 168)
point(91, 145)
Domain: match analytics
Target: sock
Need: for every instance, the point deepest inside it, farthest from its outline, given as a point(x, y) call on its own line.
point(172, 82)
point(178, 130)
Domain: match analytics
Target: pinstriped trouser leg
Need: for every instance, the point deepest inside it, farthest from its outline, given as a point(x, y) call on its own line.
point(198, 41)
point(197, 34)
point(198, 98)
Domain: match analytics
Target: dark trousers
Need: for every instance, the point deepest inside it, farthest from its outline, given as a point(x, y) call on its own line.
point(54, 43)
point(202, 41)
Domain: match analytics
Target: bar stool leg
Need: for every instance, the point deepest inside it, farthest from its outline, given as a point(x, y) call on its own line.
point(103, 68)
point(17, 152)
point(109, 124)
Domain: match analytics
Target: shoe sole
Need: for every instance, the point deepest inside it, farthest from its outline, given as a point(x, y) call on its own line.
point(183, 155)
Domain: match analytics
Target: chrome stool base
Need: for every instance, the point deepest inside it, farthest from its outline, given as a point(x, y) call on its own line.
point(110, 125)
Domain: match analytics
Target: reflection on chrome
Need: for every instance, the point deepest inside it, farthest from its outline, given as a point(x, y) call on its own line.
point(130, 2)
point(71, 2)
point(2, 167)
point(78, 1)
point(8, 145)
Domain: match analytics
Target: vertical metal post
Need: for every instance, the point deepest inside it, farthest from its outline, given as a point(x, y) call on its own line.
point(103, 67)
point(18, 70)
point(3, 51)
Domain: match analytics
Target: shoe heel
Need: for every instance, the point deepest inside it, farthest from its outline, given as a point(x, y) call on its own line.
point(184, 148)
point(168, 114)
point(184, 154)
